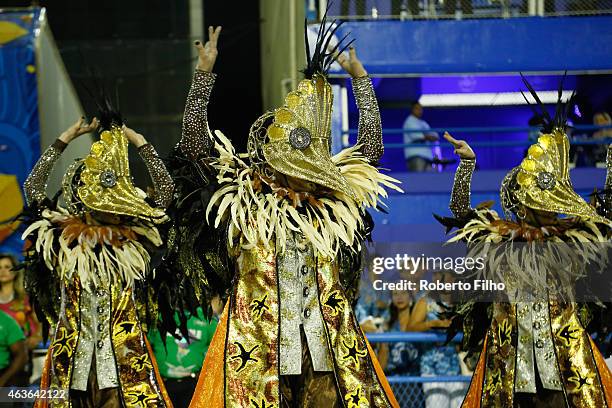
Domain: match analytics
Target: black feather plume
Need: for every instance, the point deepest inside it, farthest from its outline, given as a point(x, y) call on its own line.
point(559, 121)
point(322, 56)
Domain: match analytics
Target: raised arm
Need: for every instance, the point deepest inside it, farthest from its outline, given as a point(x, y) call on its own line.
point(196, 139)
point(369, 135)
point(162, 182)
point(460, 197)
point(608, 187)
point(35, 185)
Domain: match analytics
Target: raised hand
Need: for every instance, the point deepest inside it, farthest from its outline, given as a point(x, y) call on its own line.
point(134, 137)
point(351, 64)
point(462, 149)
point(79, 128)
point(207, 53)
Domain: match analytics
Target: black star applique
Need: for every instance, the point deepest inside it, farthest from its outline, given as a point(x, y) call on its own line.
point(568, 333)
point(353, 352)
point(126, 327)
point(334, 302)
point(494, 382)
point(63, 342)
point(140, 398)
point(244, 356)
point(579, 381)
point(140, 363)
point(504, 333)
point(263, 404)
point(258, 307)
point(355, 399)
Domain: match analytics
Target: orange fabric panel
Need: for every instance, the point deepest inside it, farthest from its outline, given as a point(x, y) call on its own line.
point(210, 391)
point(604, 372)
point(474, 394)
point(381, 376)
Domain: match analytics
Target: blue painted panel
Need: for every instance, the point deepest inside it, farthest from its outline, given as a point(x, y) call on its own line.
point(19, 124)
point(487, 45)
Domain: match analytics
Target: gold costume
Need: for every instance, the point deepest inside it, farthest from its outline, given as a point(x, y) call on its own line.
point(287, 222)
point(84, 265)
point(534, 353)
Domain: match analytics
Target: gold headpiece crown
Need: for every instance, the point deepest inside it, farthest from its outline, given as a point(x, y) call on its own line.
point(298, 139)
point(543, 181)
point(105, 182)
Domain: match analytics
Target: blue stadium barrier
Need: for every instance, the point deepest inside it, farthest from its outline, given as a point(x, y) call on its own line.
point(408, 388)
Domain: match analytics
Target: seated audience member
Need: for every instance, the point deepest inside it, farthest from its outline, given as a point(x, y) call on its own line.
point(180, 361)
point(15, 303)
point(13, 354)
point(440, 359)
point(418, 158)
point(403, 358)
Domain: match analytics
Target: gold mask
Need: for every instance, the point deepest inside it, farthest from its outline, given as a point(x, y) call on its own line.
point(543, 179)
point(298, 140)
point(105, 182)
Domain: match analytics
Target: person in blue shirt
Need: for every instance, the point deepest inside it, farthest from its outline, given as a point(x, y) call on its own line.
point(419, 158)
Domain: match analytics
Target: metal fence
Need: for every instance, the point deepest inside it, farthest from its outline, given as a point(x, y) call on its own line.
point(457, 9)
point(423, 391)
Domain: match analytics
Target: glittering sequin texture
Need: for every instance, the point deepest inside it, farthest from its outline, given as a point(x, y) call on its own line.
point(460, 198)
point(162, 181)
point(35, 185)
point(370, 129)
point(196, 139)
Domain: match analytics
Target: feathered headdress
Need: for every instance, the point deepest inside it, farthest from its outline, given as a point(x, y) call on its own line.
point(294, 139)
point(541, 181)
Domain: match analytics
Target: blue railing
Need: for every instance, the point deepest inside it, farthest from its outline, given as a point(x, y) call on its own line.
point(417, 337)
point(576, 141)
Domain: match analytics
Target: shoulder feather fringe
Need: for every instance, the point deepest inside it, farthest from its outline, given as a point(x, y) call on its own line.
point(538, 260)
point(95, 253)
point(255, 217)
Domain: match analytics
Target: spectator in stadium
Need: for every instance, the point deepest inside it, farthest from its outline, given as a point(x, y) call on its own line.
point(372, 308)
point(180, 360)
point(360, 8)
point(15, 303)
point(418, 158)
point(440, 359)
point(13, 354)
point(450, 7)
point(599, 151)
point(403, 358)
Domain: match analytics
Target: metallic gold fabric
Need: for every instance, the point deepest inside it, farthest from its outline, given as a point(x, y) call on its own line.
point(251, 363)
point(498, 387)
point(134, 363)
point(357, 379)
point(108, 159)
point(550, 157)
point(308, 107)
point(64, 343)
point(249, 344)
point(582, 385)
point(585, 379)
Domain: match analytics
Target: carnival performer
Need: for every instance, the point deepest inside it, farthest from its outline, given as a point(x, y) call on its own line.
point(534, 351)
point(85, 262)
point(281, 228)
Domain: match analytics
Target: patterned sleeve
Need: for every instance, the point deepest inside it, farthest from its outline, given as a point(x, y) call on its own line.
point(35, 185)
point(164, 186)
point(369, 134)
point(196, 138)
point(608, 187)
point(460, 197)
